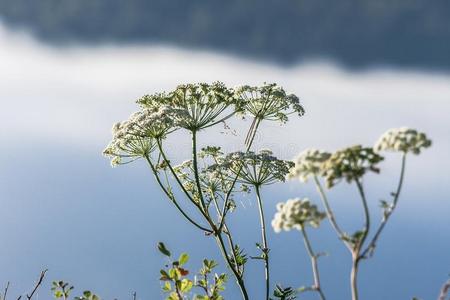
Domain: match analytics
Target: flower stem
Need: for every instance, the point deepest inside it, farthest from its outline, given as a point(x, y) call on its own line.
point(172, 198)
point(264, 241)
point(195, 167)
point(239, 280)
point(330, 213)
point(211, 223)
point(370, 248)
point(354, 276)
point(252, 134)
point(356, 257)
point(315, 268)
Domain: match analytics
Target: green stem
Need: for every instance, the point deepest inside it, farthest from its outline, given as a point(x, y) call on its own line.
point(330, 213)
point(356, 257)
point(239, 280)
point(265, 249)
point(370, 248)
point(253, 131)
point(366, 215)
point(226, 230)
point(172, 197)
point(195, 166)
point(315, 268)
point(354, 276)
point(213, 228)
point(215, 231)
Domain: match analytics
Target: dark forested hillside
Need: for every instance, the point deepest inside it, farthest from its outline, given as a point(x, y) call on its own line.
point(413, 33)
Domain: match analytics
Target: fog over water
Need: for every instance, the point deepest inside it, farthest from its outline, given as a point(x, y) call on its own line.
point(64, 208)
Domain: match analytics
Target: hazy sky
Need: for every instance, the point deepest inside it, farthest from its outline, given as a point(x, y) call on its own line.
point(64, 208)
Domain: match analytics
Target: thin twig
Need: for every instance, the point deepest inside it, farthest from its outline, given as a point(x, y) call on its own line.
point(38, 284)
point(444, 291)
point(5, 292)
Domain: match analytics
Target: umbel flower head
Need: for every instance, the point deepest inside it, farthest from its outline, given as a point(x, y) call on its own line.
point(269, 102)
point(403, 140)
point(199, 105)
point(136, 137)
point(254, 168)
point(308, 163)
point(350, 164)
point(213, 182)
point(296, 213)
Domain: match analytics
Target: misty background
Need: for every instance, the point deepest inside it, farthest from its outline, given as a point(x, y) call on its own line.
point(70, 69)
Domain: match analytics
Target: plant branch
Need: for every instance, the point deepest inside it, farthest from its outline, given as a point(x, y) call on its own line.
point(372, 244)
point(366, 215)
point(265, 249)
point(315, 268)
point(195, 166)
point(239, 279)
point(213, 228)
point(444, 291)
point(253, 130)
point(330, 213)
point(172, 197)
point(356, 257)
point(5, 292)
point(37, 285)
point(226, 231)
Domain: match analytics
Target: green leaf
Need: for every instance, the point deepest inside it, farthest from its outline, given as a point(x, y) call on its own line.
point(162, 248)
point(184, 257)
point(167, 286)
point(164, 275)
point(186, 285)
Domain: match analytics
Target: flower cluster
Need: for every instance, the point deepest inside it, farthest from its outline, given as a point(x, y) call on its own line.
point(214, 182)
point(269, 102)
point(201, 103)
point(296, 213)
point(350, 164)
point(308, 163)
point(254, 168)
point(136, 137)
point(403, 140)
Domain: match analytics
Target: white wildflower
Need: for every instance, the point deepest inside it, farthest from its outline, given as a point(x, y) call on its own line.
point(254, 168)
point(403, 140)
point(308, 163)
point(269, 102)
point(296, 213)
point(136, 137)
point(197, 106)
point(350, 164)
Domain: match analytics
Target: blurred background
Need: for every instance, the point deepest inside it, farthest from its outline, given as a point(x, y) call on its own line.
point(70, 69)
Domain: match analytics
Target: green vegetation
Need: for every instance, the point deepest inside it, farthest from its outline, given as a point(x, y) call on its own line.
point(210, 181)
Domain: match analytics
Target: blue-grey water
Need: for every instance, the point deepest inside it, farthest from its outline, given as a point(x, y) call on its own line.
point(64, 208)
